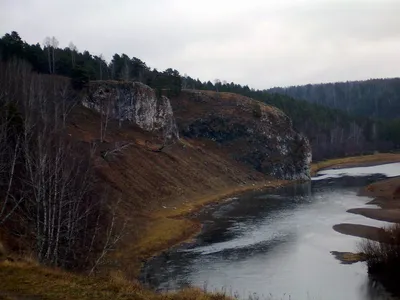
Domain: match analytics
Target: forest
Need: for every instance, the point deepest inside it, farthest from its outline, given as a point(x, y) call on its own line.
point(378, 98)
point(339, 119)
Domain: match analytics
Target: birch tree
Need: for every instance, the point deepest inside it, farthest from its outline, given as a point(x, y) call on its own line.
point(47, 44)
point(54, 46)
point(73, 50)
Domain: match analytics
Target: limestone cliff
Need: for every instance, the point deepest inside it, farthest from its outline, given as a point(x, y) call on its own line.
point(133, 102)
point(246, 130)
point(249, 131)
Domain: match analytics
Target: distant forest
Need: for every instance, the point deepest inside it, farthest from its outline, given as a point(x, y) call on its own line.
point(339, 119)
point(379, 98)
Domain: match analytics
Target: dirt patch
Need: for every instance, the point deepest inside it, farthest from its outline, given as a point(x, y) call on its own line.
point(348, 258)
point(387, 215)
point(385, 189)
point(362, 231)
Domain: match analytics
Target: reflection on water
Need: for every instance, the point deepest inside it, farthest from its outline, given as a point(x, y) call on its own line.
point(276, 243)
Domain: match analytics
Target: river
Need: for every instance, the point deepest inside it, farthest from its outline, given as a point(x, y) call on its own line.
point(277, 244)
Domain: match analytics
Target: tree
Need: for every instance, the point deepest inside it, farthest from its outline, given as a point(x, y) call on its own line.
point(101, 60)
point(46, 180)
point(73, 49)
point(217, 84)
point(47, 44)
point(54, 45)
point(79, 78)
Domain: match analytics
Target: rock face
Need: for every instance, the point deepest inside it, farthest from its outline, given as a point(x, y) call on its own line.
point(249, 131)
point(133, 102)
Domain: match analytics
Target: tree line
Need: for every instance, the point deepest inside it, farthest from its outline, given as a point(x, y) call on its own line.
point(84, 66)
point(336, 122)
point(378, 98)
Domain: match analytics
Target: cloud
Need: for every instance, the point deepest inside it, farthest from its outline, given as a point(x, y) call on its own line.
point(256, 42)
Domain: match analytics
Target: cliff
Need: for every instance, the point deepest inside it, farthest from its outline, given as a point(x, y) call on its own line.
point(248, 131)
point(133, 102)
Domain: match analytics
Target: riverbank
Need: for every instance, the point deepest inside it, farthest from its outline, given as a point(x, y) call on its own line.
point(165, 228)
point(386, 194)
point(174, 225)
point(355, 161)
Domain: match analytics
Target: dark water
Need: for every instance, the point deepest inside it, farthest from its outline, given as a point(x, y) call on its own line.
point(277, 244)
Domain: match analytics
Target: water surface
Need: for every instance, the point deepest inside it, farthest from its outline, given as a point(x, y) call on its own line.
point(277, 244)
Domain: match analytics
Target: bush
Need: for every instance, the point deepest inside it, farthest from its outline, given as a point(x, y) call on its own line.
point(383, 258)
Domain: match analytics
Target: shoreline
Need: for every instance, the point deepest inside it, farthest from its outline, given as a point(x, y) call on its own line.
point(172, 227)
point(355, 161)
point(386, 195)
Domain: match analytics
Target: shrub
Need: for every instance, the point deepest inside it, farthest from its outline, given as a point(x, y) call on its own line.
point(383, 257)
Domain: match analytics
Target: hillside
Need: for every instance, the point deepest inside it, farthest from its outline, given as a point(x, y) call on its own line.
point(377, 98)
point(101, 179)
point(332, 132)
point(251, 132)
point(344, 129)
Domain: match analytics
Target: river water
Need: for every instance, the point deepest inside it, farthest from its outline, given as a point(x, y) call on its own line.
point(276, 244)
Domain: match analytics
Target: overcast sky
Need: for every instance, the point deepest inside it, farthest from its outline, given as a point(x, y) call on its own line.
point(262, 43)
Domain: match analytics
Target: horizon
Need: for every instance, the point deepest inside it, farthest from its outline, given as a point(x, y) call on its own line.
point(262, 44)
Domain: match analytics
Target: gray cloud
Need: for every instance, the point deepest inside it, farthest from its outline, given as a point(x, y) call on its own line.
point(256, 42)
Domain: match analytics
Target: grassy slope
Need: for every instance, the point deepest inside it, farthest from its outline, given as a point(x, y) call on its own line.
point(160, 188)
point(20, 280)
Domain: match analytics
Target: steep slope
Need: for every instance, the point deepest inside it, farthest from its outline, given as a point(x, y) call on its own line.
point(114, 169)
point(159, 181)
point(248, 131)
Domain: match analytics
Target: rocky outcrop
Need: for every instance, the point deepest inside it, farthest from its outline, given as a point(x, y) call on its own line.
point(247, 130)
point(133, 102)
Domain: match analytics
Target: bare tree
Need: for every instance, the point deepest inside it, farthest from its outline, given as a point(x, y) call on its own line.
point(47, 44)
point(54, 45)
point(101, 59)
point(73, 50)
point(217, 83)
point(47, 180)
point(105, 116)
point(114, 234)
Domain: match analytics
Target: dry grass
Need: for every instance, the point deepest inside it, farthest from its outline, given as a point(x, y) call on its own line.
point(26, 281)
point(354, 161)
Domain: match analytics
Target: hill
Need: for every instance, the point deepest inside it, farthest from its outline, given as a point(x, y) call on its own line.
point(331, 132)
point(348, 127)
point(376, 98)
point(102, 178)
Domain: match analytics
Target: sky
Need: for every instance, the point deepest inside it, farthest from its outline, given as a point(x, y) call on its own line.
point(262, 43)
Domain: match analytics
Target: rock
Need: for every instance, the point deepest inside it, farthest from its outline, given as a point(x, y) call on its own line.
point(134, 102)
point(247, 130)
